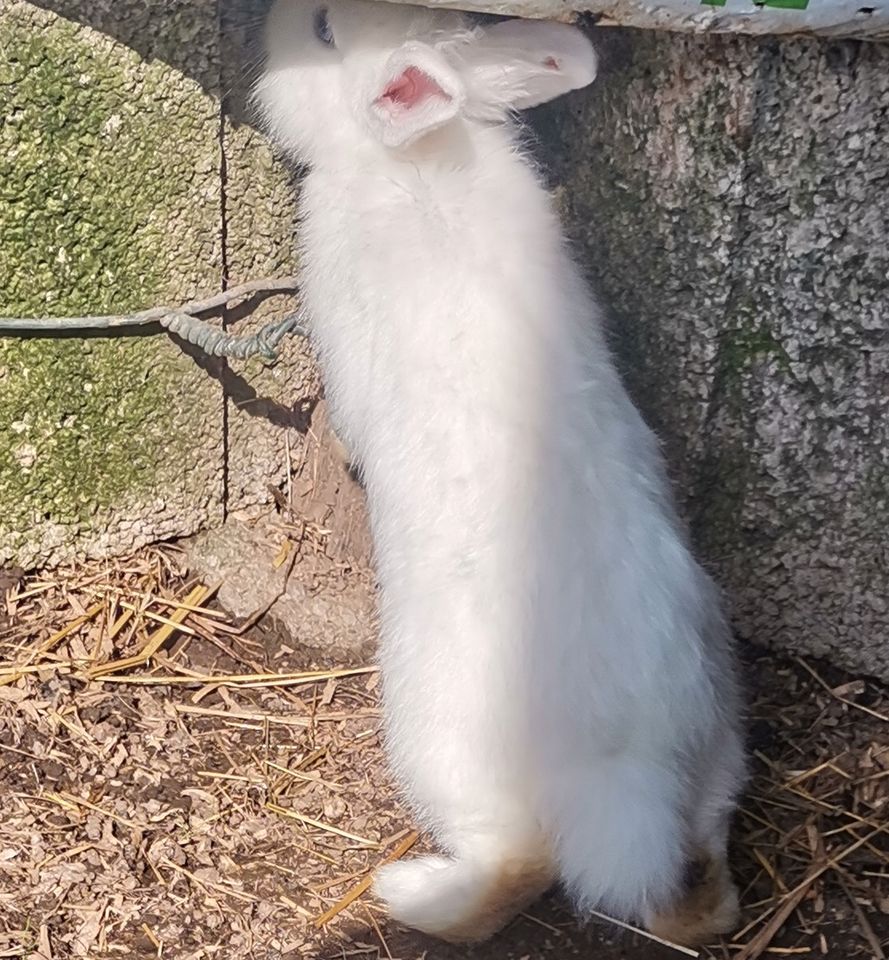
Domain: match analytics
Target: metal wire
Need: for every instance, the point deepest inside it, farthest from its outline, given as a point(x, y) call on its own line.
point(217, 343)
point(183, 322)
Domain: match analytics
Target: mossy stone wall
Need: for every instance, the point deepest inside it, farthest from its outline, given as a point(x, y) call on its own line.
point(730, 200)
point(125, 182)
point(727, 195)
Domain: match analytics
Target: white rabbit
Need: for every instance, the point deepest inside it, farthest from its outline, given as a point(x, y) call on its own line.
point(558, 680)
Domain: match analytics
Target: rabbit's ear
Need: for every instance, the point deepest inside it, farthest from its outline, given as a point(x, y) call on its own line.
point(420, 92)
point(521, 63)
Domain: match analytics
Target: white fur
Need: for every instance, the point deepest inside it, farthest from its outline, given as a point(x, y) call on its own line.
point(432, 893)
point(556, 668)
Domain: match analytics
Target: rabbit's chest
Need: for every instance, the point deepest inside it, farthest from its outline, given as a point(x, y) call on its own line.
point(397, 278)
point(419, 310)
point(395, 346)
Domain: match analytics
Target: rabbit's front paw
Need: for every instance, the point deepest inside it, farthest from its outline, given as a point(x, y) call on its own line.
point(461, 900)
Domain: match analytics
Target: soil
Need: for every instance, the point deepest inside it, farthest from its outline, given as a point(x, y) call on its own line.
point(153, 811)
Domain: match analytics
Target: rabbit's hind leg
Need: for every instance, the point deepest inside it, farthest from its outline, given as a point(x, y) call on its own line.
point(707, 905)
point(468, 898)
point(707, 908)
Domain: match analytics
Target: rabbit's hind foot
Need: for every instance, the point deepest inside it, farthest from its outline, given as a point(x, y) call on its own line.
point(707, 908)
point(463, 900)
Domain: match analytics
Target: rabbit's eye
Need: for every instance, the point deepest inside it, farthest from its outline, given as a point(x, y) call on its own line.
point(322, 27)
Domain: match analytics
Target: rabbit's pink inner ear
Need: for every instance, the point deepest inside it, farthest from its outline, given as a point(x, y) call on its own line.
point(410, 88)
point(420, 92)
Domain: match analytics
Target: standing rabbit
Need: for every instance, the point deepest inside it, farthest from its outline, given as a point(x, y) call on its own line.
point(557, 674)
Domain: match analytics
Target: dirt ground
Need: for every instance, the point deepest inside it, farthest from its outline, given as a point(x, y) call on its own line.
point(173, 785)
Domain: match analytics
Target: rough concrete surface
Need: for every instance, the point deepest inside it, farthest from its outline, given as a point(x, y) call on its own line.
point(727, 195)
point(109, 200)
point(730, 199)
point(833, 18)
point(323, 605)
point(269, 407)
point(308, 567)
point(130, 176)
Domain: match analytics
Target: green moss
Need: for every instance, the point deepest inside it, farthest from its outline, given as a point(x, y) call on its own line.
point(81, 424)
point(94, 155)
point(108, 173)
point(742, 345)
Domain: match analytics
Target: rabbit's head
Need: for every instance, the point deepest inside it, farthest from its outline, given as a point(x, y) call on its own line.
point(344, 73)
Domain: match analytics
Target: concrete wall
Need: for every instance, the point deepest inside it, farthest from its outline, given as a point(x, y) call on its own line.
point(730, 199)
point(125, 182)
point(727, 195)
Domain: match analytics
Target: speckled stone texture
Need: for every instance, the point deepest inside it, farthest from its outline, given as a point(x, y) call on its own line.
point(269, 407)
point(109, 201)
point(730, 199)
point(130, 176)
